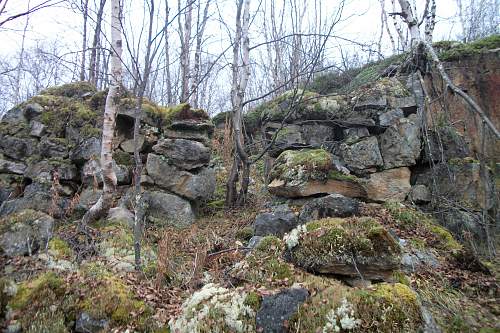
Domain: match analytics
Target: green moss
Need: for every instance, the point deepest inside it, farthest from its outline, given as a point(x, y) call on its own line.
point(456, 51)
point(401, 277)
point(244, 234)
point(123, 158)
point(389, 308)
point(220, 118)
point(446, 240)
point(337, 175)
point(302, 164)
point(25, 216)
point(60, 248)
point(253, 300)
point(114, 300)
point(90, 131)
point(75, 89)
point(332, 239)
point(33, 291)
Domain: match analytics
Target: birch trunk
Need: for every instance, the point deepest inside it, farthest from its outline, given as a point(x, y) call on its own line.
point(84, 39)
point(108, 175)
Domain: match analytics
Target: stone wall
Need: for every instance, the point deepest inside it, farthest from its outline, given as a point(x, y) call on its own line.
point(50, 147)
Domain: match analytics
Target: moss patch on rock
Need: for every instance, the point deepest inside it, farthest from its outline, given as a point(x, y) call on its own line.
point(302, 165)
point(59, 248)
point(74, 89)
point(450, 51)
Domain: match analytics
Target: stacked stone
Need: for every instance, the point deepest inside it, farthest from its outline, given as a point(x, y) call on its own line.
point(179, 165)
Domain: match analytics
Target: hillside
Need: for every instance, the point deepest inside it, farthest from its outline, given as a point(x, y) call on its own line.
point(367, 214)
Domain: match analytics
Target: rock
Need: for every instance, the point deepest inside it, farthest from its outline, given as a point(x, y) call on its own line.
point(45, 169)
point(32, 110)
point(86, 324)
point(37, 129)
point(17, 148)
point(400, 143)
point(165, 208)
point(254, 241)
point(53, 147)
point(461, 180)
point(362, 155)
point(460, 221)
point(419, 194)
point(388, 185)
point(38, 200)
point(200, 136)
point(410, 261)
point(121, 215)
point(353, 134)
point(347, 247)
point(445, 143)
point(185, 154)
point(90, 148)
point(25, 232)
point(370, 102)
point(315, 135)
point(333, 205)
point(289, 137)
point(347, 188)
point(193, 186)
point(11, 167)
point(277, 309)
point(92, 173)
point(128, 145)
point(390, 117)
point(277, 222)
point(308, 172)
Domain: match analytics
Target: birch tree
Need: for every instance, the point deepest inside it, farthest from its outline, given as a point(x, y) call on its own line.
point(102, 206)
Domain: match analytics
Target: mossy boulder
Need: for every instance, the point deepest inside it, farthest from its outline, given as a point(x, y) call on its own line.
point(41, 305)
point(25, 232)
point(352, 247)
point(337, 308)
point(306, 172)
point(451, 51)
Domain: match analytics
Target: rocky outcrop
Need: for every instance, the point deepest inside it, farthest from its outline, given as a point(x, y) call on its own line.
point(50, 146)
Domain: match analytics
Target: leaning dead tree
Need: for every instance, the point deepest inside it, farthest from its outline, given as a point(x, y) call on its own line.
point(425, 44)
point(102, 206)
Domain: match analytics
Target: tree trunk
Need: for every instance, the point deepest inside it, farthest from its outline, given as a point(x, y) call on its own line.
point(185, 36)
point(84, 39)
point(94, 54)
point(200, 29)
point(240, 76)
point(108, 175)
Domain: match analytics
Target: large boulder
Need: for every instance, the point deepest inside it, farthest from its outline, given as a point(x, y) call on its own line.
point(25, 232)
point(388, 185)
point(400, 143)
point(185, 154)
point(353, 247)
point(45, 170)
point(39, 200)
point(309, 172)
point(333, 205)
point(362, 154)
point(86, 150)
point(17, 148)
point(445, 143)
point(277, 222)
point(196, 185)
point(168, 209)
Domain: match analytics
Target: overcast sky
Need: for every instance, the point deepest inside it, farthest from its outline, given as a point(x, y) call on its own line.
point(362, 23)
